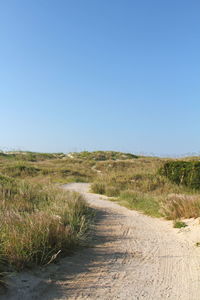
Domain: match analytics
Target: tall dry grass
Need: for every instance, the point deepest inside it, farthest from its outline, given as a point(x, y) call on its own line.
point(177, 206)
point(38, 223)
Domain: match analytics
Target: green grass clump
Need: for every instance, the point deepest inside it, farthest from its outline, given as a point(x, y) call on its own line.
point(4, 180)
point(102, 188)
point(140, 202)
point(179, 224)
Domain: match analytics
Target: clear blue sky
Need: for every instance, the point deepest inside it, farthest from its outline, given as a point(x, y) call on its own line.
point(108, 74)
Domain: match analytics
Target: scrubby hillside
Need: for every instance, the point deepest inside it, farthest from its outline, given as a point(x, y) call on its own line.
point(102, 155)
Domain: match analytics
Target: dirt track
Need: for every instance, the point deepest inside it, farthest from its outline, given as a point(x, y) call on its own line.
point(133, 257)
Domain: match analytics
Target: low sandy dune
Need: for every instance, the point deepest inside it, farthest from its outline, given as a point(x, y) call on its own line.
point(132, 256)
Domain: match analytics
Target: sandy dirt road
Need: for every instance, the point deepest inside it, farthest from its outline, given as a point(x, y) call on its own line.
point(132, 257)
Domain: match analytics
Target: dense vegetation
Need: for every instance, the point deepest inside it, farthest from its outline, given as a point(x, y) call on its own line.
point(183, 172)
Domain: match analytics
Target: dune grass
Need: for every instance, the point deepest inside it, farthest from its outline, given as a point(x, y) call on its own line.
point(38, 223)
point(177, 206)
point(141, 202)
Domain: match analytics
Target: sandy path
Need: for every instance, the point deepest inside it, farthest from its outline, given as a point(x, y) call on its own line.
point(134, 257)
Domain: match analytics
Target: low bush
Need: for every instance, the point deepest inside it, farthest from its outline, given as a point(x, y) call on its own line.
point(182, 172)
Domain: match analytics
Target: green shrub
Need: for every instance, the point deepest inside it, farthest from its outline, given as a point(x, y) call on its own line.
point(182, 172)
